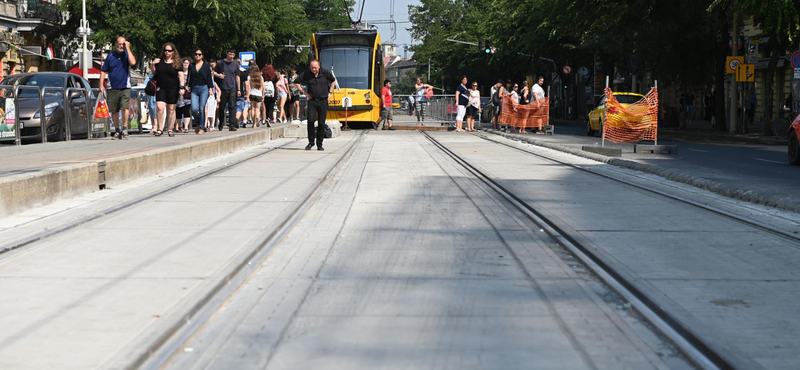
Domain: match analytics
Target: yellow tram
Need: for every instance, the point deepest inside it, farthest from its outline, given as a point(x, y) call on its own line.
point(356, 59)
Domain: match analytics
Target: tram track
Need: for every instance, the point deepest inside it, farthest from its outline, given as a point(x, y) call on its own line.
point(690, 344)
point(749, 222)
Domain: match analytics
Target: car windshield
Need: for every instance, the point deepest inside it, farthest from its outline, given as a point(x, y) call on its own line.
point(39, 80)
point(627, 99)
point(349, 64)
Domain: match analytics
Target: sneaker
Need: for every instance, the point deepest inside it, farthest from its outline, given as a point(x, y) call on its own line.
point(319, 147)
point(116, 136)
point(392, 128)
point(125, 133)
point(233, 129)
point(309, 146)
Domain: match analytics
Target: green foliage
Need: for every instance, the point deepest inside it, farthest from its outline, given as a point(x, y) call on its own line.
point(213, 25)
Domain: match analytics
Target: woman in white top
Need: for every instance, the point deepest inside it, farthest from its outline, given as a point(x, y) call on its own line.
point(474, 107)
point(256, 95)
point(283, 95)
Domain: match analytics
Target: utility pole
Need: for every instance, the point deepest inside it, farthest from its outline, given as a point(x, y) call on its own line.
point(84, 31)
point(429, 71)
point(734, 92)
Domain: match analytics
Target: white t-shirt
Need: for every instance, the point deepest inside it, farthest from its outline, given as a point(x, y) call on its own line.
point(538, 92)
point(254, 91)
point(475, 98)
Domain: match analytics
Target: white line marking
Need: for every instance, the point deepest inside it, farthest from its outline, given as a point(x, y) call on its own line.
point(698, 150)
point(767, 160)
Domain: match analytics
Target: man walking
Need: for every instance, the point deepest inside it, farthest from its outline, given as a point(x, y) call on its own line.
point(118, 68)
point(320, 87)
point(386, 99)
point(228, 70)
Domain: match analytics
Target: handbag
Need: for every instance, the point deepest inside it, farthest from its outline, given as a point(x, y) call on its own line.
point(187, 94)
point(151, 87)
point(328, 132)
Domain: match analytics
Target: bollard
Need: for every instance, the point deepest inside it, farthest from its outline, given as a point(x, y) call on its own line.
point(18, 124)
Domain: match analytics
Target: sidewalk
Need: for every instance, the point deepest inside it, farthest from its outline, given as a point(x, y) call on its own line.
point(33, 175)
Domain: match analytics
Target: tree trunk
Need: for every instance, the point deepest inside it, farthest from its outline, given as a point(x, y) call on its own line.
point(719, 71)
point(769, 78)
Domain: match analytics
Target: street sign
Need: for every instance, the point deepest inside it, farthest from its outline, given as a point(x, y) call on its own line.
point(529, 78)
point(795, 59)
point(246, 56)
point(732, 62)
point(797, 73)
point(745, 73)
point(567, 70)
point(583, 71)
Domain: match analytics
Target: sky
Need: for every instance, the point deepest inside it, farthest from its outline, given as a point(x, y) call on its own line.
point(380, 10)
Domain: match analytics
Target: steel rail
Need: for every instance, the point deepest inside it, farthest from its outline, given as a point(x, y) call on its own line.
point(44, 234)
point(160, 353)
point(689, 344)
point(705, 207)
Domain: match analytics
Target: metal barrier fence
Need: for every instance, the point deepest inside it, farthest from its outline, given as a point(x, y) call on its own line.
point(437, 108)
point(64, 128)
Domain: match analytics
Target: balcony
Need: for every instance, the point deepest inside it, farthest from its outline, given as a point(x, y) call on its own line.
point(39, 9)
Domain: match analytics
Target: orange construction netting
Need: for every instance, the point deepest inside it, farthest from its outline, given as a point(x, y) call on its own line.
point(536, 114)
point(632, 123)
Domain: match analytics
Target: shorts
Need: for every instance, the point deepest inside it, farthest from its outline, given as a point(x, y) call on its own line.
point(183, 112)
point(169, 96)
point(386, 113)
point(241, 105)
point(293, 98)
point(473, 112)
point(255, 98)
point(461, 111)
point(118, 99)
point(282, 94)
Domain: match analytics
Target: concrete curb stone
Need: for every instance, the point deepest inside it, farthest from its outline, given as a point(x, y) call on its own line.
point(749, 195)
point(21, 192)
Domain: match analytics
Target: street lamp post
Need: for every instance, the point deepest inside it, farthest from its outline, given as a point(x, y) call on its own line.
point(84, 32)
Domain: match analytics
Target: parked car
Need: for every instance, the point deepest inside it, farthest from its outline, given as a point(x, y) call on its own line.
point(597, 115)
point(794, 142)
point(28, 105)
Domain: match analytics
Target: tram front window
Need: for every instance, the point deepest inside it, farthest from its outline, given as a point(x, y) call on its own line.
point(349, 64)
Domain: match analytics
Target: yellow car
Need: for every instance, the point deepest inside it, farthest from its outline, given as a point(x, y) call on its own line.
point(597, 115)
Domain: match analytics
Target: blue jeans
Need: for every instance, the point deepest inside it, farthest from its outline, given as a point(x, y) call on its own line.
point(151, 106)
point(199, 99)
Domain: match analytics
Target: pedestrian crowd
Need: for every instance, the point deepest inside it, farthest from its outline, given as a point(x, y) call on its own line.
point(200, 90)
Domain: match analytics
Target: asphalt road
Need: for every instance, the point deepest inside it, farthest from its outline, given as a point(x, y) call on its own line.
point(758, 167)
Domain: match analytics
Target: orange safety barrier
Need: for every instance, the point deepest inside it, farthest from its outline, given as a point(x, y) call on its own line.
point(535, 114)
point(632, 123)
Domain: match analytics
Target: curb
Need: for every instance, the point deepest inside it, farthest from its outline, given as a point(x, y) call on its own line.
point(19, 193)
point(771, 200)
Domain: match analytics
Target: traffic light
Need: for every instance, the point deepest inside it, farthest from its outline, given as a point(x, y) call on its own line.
point(487, 46)
point(565, 86)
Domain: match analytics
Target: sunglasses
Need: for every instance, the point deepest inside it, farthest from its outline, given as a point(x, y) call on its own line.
point(198, 54)
point(168, 50)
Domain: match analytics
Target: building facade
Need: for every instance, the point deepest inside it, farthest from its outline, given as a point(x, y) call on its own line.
point(24, 26)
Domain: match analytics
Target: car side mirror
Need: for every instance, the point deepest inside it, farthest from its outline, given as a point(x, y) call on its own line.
point(75, 95)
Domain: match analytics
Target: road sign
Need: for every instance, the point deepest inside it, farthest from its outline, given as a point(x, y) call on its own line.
point(567, 70)
point(583, 71)
point(797, 73)
point(246, 56)
point(795, 59)
point(746, 73)
point(732, 62)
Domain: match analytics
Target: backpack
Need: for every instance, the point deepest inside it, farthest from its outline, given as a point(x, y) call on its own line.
point(269, 89)
point(496, 97)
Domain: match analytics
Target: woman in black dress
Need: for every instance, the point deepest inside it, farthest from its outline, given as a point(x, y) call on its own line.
point(170, 83)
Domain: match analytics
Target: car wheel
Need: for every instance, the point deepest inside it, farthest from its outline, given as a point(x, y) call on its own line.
point(589, 131)
point(794, 149)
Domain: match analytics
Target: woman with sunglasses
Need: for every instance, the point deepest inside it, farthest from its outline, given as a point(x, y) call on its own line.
point(170, 84)
point(474, 107)
point(200, 83)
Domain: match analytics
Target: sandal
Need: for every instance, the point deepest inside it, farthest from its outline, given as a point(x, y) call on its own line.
point(170, 134)
point(159, 133)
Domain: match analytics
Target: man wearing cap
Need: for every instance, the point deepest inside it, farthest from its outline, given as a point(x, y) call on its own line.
point(320, 87)
point(118, 68)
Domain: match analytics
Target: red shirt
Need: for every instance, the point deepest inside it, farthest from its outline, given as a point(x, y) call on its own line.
point(386, 95)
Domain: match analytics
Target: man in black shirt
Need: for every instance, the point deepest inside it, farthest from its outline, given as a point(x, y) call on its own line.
point(228, 71)
point(320, 87)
